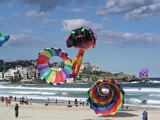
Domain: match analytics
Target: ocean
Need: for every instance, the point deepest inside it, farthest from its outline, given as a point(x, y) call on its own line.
point(136, 93)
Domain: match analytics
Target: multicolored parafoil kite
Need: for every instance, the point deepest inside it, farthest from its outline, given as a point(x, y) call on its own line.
point(81, 38)
point(48, 71)
point(144, 73)
point(106, 97)
point(3, 38)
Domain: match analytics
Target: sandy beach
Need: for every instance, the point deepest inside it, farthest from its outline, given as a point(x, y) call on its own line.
point(62, 112)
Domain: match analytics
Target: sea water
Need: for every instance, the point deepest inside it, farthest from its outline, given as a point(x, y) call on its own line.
point(136, 93)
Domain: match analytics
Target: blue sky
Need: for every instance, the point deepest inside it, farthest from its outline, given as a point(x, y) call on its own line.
point(128, 32)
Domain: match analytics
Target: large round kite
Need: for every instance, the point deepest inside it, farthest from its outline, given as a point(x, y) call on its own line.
point(81, 38)
point(3, 38)
point(48, 71)
point(106, 97)
point(144, 73)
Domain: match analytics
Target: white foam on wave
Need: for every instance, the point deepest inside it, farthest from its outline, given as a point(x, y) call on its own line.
point(144, 106)
point(24, 92)
point(134, 100)
point(44, 88)
point(154, 95)
point(142, 90)
point(126, 89)
point(155, 81)
point(31, 93)
point(150, 101)
point(64, 93)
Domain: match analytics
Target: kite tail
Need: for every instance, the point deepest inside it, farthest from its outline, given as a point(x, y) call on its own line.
point(77, 61)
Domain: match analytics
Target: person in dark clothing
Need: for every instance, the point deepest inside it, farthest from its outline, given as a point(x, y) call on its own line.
point(145, 115)
point(69, 104)
point(76, 102)
point(16, 108)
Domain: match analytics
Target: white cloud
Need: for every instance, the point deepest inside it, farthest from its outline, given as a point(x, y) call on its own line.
point(28, 31)
point(69, 25)
point(1, 23)
point(128, 39)
point(24, 40)
point(45, 5)
point(47, 21)
point(76, 10)
point(33, 13)
point(130, 9)
point(144, 11)
point(93, 25)
point(16, 14)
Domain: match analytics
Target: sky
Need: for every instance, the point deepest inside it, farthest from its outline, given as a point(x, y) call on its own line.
point(127, 31)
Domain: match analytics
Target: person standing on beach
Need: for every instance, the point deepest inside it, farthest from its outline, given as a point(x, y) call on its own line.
point(16, 108)
point(144, 115)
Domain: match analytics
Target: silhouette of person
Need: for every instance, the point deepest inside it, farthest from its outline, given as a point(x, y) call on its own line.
point(16, 108)
point(145, 115)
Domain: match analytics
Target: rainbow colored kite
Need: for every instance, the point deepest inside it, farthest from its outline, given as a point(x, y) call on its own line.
point(47, 70)
point(106, 97)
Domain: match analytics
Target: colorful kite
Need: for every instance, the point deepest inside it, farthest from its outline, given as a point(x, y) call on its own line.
point(77, 61)
point(48, 71)
point(144, 73)
point(81, 38)
point(106, 97)
point(3, 38)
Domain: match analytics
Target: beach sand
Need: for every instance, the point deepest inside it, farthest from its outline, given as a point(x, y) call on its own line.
point(59, 112)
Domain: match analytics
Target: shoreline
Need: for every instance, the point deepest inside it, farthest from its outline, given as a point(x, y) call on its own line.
point(64, 102)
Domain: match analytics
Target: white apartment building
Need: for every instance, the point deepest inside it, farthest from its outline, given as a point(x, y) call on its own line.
point(31, 73)
point(1, 76)
point(23, 73)
point(95, 68)
point(11, 74)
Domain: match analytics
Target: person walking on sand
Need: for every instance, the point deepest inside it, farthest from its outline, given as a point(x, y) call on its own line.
point(16, 108)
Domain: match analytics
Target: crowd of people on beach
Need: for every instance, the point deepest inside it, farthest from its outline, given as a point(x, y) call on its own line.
point(70, 103)
point(8, 100)
point(25, 101)
point(78, 103)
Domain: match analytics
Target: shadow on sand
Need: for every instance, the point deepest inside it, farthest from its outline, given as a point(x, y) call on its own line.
point(117, 115)
point(24, 116)
point(97, 119)
point(121, 114)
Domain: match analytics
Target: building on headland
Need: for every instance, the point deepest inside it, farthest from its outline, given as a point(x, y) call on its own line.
point(70, 80)
point(32, 73)
point(95, 68)
point(1, 76)
point(120, 76)
point(11, 74)
point(25, 73)
point(88, 67)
